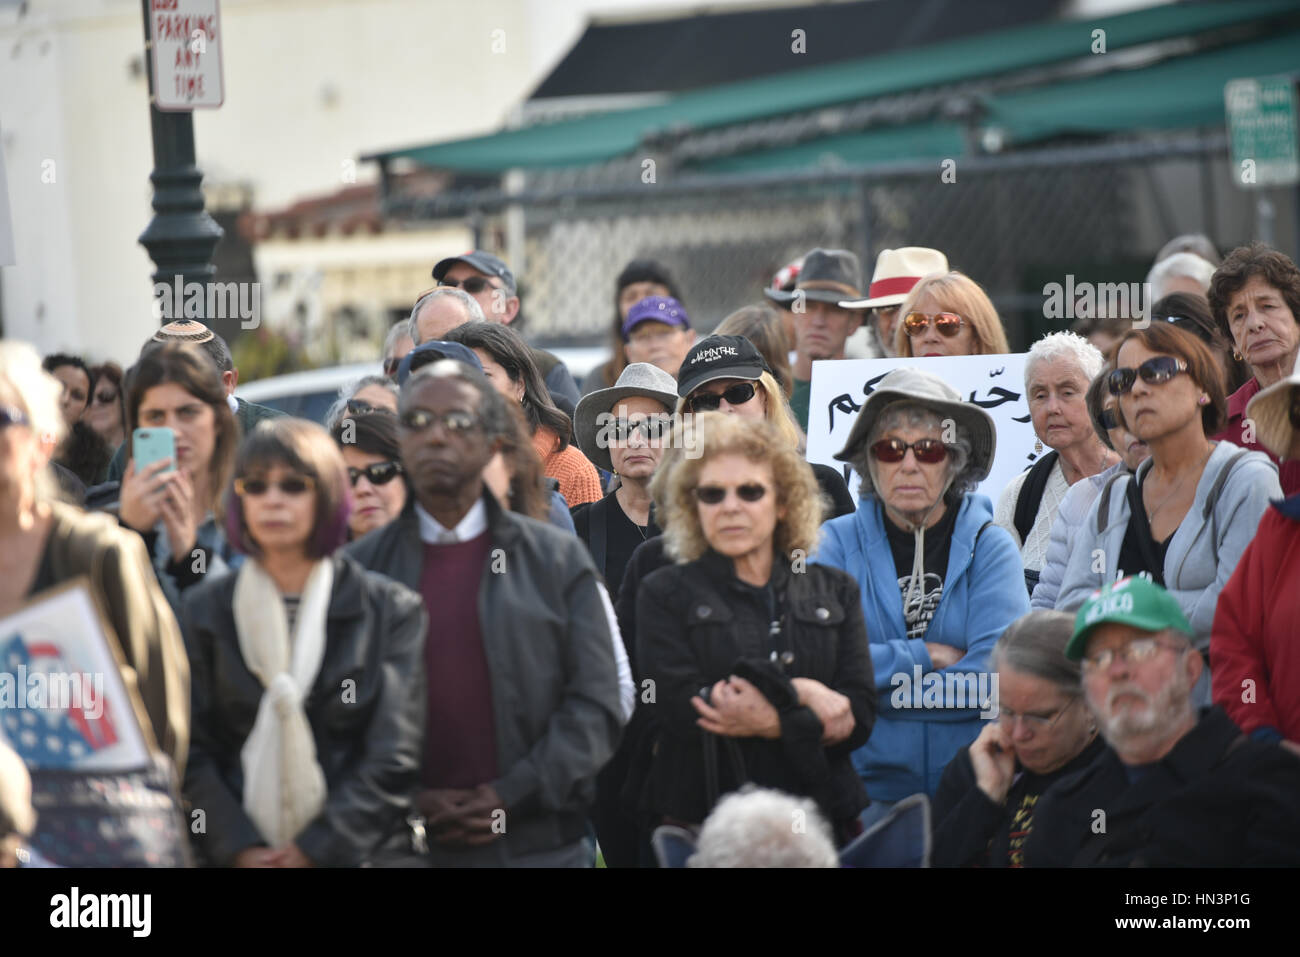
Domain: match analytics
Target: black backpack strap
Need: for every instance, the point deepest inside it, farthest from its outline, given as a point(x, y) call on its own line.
point(1103, 504)
point(596, 525)
point(1031, 494)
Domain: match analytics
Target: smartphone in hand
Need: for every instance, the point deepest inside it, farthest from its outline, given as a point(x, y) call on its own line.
point(151, 445)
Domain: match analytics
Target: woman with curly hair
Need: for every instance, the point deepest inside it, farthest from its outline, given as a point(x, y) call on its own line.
point(752, 653)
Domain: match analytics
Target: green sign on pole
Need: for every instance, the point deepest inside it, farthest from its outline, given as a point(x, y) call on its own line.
point(1262, 126)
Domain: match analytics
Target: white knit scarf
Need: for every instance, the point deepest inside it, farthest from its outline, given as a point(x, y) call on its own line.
point(284, 787)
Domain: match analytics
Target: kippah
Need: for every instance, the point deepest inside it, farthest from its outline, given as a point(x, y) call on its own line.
point(183, 330)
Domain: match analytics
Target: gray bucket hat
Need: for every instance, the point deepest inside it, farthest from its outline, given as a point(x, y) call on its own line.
point(1271, 411)
point(639, 378)
point(928, 390)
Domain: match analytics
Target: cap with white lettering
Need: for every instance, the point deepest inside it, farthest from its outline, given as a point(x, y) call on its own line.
point(1136, 601)
point(719, 357)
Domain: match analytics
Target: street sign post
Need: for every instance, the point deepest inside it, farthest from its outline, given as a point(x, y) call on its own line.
point(1261, 115)
point(186, 54)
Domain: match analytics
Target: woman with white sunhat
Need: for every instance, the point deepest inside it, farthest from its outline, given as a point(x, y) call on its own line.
point(897, 271)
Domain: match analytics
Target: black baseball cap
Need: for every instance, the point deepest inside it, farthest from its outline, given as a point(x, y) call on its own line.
point(719, 357)
point(485, 263)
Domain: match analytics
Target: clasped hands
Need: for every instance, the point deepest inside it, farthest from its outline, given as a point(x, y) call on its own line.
point(459, 817)
point(737, 709)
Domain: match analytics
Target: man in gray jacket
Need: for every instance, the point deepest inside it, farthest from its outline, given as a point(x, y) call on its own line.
point(523, 702)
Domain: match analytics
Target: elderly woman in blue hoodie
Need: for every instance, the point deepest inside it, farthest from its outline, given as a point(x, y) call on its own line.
point(939, 581)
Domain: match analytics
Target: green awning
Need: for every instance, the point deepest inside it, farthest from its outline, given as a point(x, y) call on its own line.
point(605, 136)
point(1174, 94)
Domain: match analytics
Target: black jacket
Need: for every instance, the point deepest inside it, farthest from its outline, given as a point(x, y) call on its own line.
point(971, 831)
point(368, 742)
point(551, 663)
point(694, 621)
point(1217, 799)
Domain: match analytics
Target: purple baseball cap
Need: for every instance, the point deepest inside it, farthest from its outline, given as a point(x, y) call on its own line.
point(663, 309)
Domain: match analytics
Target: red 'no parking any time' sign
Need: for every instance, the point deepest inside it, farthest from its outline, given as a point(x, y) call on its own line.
point(186, 54)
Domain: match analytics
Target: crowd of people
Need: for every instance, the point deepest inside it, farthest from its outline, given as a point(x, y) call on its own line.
point(487, 616)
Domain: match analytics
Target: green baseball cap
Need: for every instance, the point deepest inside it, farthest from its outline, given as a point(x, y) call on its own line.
point(1135, 601)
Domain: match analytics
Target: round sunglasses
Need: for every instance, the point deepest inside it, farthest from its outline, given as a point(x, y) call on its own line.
point(947, 324)
point(255, 487)
point(738, 394)
point(1155, 371)
point(379, 473)
point(714, 494)
point(927, 451)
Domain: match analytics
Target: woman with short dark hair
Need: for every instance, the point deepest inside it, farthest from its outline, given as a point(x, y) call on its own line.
point(1255, 297)
point(368, 442)
point(307, 673)
point(1187, 514)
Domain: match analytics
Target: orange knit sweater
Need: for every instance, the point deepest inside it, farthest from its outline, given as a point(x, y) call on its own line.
point(578, 478)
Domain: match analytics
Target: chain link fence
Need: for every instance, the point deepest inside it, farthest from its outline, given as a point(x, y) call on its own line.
point(1013, 222)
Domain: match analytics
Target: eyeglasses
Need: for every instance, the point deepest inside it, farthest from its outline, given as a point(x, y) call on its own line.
point(1155, 371)
point(928, 451)
point(379, 473)
point(456, 421)
point(738, 394)
point(11, 415)
point(651, 427)
point(473, 285)
point(1109, 420)
point(254, 487)
point(714, 494)
point(1035, 722)
point(359, 407)
point(1135, 652)
point(948, 324)
point(105, 398)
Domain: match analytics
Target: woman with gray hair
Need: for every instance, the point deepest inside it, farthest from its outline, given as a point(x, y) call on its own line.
point(1058, 371)
point(938, 582)
point(366, 394)
point(984, 808)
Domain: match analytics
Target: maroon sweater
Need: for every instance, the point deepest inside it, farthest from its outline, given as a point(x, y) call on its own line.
point(460, 735)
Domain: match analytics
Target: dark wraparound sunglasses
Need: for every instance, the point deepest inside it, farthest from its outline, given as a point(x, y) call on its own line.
point(380, 473)
point(1155, 371)
point(738, 394)
point(253, 487)
point(947, 324)
point(928, 451)
point(473, 285)
point(1109, 420)
point(714, 494)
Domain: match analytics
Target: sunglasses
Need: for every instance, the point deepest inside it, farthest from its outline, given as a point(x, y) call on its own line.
point(1109, 420)
point(254, 487)
point(1155, 371)
point(738, 394)
point(714, 494)
point(11, 415)
point(651, 428)
point(948, 324)
point(361, 407)
point(105, 398)
point(473, 285)
point(380, 473)
point(417, 420)
point(927, 451)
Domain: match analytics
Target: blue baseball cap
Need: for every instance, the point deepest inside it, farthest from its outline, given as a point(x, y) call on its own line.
point(428, 352)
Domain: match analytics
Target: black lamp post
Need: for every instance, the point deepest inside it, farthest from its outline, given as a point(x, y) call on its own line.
point(181, 236)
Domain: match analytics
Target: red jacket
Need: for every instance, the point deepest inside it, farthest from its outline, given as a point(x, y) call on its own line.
point(1288, 472)
point(1256, 634)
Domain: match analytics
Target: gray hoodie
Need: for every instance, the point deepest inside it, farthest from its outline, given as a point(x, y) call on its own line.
point(1204, 550)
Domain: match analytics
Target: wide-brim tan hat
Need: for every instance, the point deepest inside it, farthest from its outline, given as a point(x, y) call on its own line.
point(1270, 410)
point(897, 271)
point(928, 390)
point(639, 378)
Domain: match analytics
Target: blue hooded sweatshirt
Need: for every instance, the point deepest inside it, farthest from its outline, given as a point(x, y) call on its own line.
point(917, 734)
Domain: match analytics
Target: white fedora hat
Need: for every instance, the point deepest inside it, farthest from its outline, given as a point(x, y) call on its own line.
point(1271, 411)
point(897, 271)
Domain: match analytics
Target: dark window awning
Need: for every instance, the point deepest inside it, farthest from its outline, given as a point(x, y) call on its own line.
point(606, 136)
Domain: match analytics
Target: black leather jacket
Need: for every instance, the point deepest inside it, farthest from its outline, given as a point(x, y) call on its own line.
point(551, 664)
point(694, 621)
point(368, 747)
